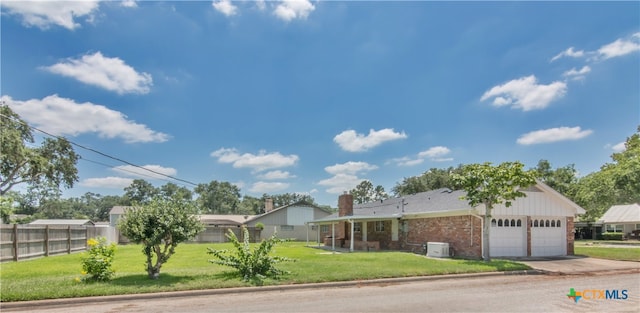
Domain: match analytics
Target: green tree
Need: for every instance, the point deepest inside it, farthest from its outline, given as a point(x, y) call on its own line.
point(218, 198)
point(365, 192)
point(140, 192)
point(6, 209)
point(432, 179)
point(171, 190)
point(160, 226)
point(54, 162)
point(493, 185)
point(561, 179)
point(281, 200)
point(250, 205)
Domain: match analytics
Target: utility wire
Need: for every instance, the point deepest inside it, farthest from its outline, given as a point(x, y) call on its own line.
point(100, 153)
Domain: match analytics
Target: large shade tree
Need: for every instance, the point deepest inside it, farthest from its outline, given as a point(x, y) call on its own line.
point(489, 185)
point(51, 163)
point(364, 192)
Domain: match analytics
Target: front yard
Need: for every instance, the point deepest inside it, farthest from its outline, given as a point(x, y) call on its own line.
point(612, 250)
point(189, 269)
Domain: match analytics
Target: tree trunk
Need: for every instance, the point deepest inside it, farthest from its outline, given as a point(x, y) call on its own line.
point(486, 245)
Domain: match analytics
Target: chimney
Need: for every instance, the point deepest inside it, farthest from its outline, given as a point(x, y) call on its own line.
point(345, 205)
point(268, 205)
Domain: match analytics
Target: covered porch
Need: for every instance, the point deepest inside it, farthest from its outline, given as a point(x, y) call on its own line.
point(358, 233)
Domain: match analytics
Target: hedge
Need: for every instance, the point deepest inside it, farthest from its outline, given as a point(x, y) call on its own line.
point(612, 236)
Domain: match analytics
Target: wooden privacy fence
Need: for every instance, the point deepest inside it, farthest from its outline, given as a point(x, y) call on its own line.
point(30, 241)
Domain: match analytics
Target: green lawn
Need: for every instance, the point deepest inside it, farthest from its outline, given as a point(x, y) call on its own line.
point(57, 276)
point(622, 254)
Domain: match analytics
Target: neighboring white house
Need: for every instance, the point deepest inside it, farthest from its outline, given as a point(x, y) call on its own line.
point(622, 219)
point(289, 221)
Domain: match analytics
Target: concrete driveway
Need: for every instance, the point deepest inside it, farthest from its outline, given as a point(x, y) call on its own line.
point(578, 265)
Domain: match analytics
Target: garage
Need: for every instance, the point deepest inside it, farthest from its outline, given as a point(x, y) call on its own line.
point(508, 236)
point(548, 236)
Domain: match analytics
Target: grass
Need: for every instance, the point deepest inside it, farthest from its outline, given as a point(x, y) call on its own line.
point(189, 269)
point(620, 254)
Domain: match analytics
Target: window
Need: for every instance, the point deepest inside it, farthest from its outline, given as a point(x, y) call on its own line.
point(535, 223)
point(519, 223)
point(499, 223)
point(558, 223)
point(324, 228)
point(379, 226)
point(513, 223)
point(357, 227)
point(553, 223)
point(546, 223)
point(613, 228)
point(506, 223)
point(314, 227)
point(286, 227)
point(493, 223)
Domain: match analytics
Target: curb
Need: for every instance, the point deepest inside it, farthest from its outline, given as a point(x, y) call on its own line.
point(221, 291)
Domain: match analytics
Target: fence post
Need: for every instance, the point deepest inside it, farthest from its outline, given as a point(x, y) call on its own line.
point(46, 240)
point(15, 242)
point(69, 239)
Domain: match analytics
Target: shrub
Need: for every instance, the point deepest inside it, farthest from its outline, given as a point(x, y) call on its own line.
point(612, 236)
point(254, 265)
point(97, 264)
point(259, 226)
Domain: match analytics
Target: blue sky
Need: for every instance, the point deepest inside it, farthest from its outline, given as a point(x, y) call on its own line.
point(315, 96)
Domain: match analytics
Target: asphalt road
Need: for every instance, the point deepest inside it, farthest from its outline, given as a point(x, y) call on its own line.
point(510, 293)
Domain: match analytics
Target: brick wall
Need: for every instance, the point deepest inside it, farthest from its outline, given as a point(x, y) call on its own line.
point(463, 233)
point(570, 236)
point(384, 237)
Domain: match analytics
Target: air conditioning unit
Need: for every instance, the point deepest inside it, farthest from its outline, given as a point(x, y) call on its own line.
point(438, 249)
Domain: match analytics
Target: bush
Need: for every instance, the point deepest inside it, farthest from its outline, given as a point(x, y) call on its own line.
point(254, 265)
point(612, 236)
point(97, 265)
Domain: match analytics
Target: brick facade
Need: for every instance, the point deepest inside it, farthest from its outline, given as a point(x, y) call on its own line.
point(570, 236)
point(463, 233)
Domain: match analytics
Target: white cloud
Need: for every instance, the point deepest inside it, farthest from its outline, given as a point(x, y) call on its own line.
point(619, 147)
point(108, 73)
point(62, 116)
point(147, 171)
point(350, 168)
point(44, 14)
point(345, 176)
point(129, 4)
point(260, 162)
point(407, 161)
point(225, 7)
point(268, 187)
point(272, 175)
point(288, 10)
point(525, 93)
point(435, 152)
point(340, 183)
point(351, 141)
point(553, 135)
point(107, 182)
point(620, 47)
point(577, 74)
point(569, 53)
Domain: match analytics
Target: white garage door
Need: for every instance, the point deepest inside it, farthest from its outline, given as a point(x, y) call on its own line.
point(508, 236)
point(548, 236)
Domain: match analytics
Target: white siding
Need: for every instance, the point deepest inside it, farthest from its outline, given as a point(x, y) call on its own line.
point(535, 204)
point(299, 215)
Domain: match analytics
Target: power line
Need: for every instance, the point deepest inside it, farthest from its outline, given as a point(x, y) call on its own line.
point(100, 153)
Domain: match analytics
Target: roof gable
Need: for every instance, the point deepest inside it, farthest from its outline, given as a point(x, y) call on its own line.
point(629, 213)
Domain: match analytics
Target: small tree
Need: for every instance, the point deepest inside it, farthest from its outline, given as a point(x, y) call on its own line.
point(253, 265)
point(493, 185)
point(160, 226)
point(97, 264)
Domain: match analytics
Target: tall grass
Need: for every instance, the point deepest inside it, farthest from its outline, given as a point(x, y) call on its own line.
point(189, 269)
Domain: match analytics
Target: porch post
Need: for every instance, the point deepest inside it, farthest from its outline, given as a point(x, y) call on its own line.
point(333, 236)
point(351, 243)
point(363, 228)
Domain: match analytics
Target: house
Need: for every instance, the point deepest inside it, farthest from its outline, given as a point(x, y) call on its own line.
point(288, 221)
point(540, 224)
point(622, 219)
point(62, 222)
